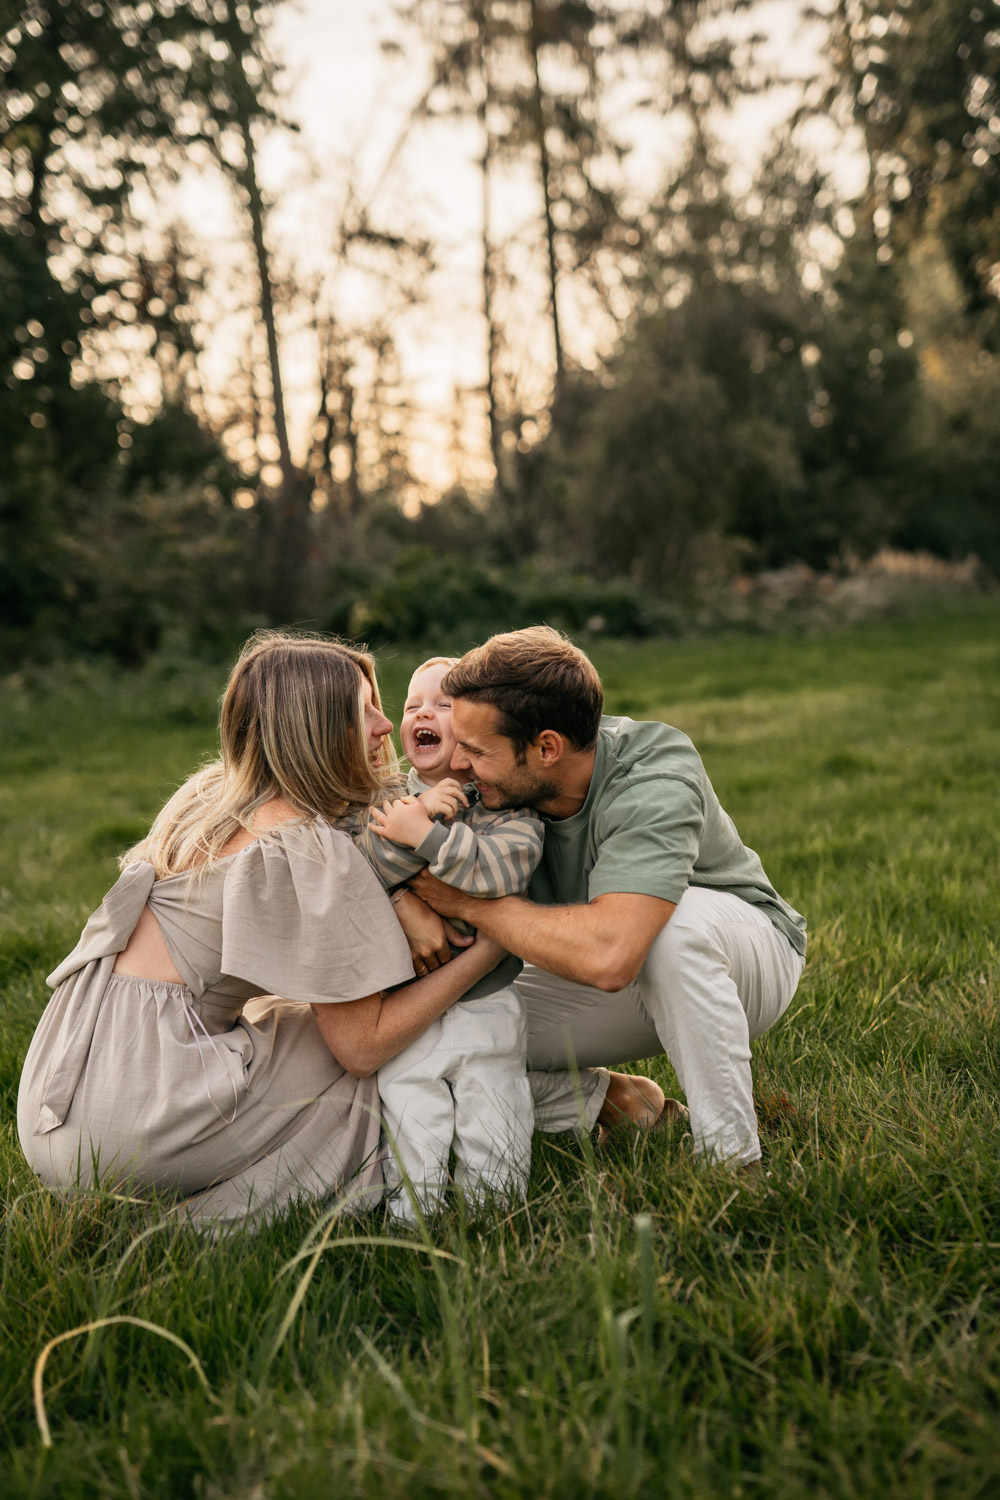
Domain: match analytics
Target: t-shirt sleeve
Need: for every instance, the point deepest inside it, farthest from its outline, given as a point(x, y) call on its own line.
point(304, 916)
point(648, 839)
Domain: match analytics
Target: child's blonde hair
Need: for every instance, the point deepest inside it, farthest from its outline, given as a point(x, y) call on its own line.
point(435, 661)
point(292, 725)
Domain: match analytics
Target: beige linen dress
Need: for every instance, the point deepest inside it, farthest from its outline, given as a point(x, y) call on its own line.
point(202, 1088)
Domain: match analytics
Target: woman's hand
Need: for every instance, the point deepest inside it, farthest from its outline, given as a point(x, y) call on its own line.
point(428, 934)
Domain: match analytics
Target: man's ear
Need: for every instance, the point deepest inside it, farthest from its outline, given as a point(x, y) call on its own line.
point(551, 746)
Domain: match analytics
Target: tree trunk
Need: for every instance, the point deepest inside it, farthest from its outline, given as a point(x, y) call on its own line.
point(289, 532)
point(550, 231)
point(503, 486)
point(492, 335)
point(352, 484)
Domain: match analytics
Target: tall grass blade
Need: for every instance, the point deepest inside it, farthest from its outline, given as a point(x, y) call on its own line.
point(61, 1338)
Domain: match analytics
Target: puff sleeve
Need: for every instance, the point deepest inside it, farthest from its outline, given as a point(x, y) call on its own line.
point(304, 916)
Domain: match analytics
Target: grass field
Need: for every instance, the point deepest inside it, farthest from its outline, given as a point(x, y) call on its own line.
point(641, 1327)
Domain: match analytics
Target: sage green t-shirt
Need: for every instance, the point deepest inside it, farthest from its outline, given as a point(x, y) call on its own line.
point(652, 825)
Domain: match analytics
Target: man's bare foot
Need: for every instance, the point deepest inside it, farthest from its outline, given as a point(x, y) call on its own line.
point(753, 1175)
point(639, 1102)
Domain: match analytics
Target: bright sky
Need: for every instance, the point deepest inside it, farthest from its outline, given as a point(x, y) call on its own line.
point(352, 101)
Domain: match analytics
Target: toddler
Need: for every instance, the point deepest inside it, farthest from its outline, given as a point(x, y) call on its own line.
point(463, 1083)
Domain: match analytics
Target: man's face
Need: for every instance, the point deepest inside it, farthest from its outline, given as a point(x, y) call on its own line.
point(501, 779)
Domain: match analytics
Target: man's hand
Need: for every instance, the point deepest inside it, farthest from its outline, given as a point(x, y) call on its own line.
point(428, 936)
point(446, 899)
point(404, 821)
point(444, 800)
point(603, 943)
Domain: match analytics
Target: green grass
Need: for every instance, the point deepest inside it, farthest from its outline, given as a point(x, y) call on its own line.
point(642, 1327)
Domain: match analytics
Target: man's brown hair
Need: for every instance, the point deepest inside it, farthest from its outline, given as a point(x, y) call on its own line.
point(536, 679)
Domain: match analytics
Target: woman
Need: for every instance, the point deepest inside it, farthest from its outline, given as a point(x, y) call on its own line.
point(158, 1064)
point(149, 1066)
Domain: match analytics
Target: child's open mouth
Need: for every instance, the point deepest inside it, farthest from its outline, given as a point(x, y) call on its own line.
point(424, 738)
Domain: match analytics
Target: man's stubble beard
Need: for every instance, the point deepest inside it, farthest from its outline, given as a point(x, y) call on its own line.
point(535, 794)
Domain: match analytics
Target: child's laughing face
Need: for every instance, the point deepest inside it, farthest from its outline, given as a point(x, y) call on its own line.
point(425, 728)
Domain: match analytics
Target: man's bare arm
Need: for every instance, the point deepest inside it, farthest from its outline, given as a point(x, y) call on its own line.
point(604, 943)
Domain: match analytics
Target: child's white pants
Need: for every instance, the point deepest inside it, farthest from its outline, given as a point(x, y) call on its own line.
point(717, 976)
point(463, 1083)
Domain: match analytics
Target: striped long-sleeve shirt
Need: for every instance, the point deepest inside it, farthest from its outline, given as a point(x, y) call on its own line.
point(481, 851)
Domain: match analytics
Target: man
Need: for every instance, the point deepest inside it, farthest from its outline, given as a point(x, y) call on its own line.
point(651, 928)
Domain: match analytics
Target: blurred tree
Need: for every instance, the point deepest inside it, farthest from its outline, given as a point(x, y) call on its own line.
point(98, 98)
point(951, 502)
point(580, 55)
point(529, 72)
point(236, 77)
point(541, 78)
point(360, 434)
point(924, 83)
point(463, 36)
point(756, 414)
point(89, 97)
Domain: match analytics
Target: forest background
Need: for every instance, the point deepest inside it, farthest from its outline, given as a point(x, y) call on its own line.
point(689, 381)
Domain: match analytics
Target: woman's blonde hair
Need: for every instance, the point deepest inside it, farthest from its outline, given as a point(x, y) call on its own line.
point(292, 724)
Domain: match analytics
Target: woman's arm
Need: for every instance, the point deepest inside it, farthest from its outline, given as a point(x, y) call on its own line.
point(364, 1034)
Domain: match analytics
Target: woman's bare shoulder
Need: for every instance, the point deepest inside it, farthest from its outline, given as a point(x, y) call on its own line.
point(268, 816)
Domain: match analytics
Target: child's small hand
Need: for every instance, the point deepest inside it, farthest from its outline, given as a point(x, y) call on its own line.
point(444, 800)
point(404, 821)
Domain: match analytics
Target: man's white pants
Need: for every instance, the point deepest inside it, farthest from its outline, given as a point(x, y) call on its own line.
point(464, 1084)
point(717, 976)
